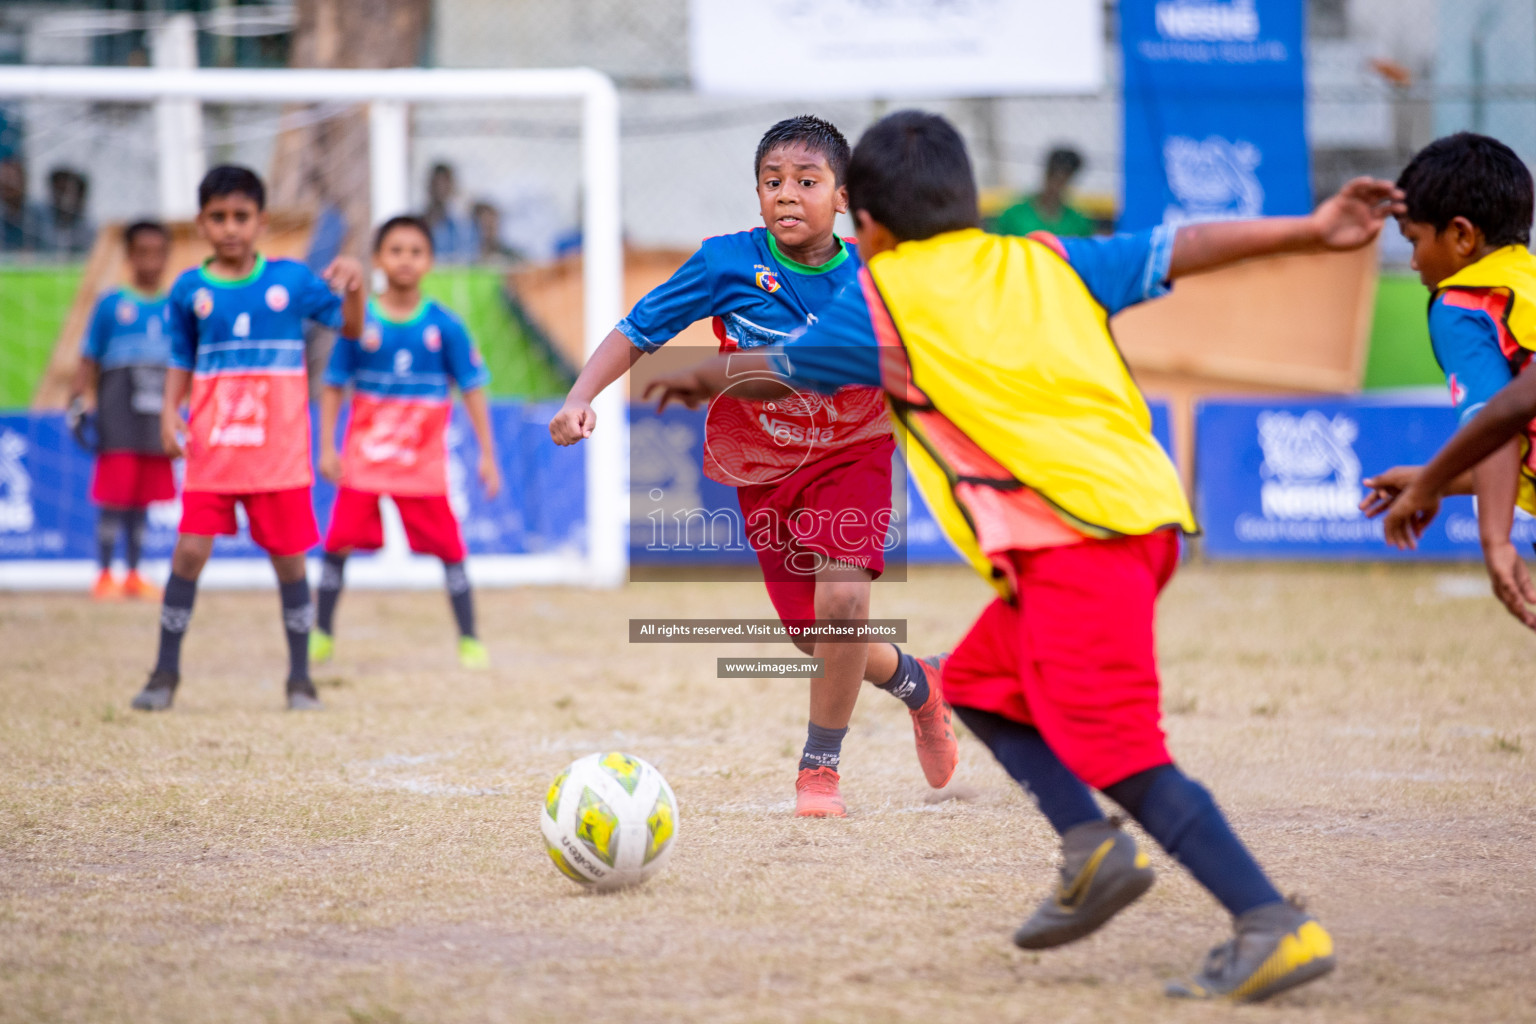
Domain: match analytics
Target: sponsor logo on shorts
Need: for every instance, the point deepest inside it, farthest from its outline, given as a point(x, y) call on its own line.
point(432, 337)
point(202, 303)
point(127, 311)
point(277, 298)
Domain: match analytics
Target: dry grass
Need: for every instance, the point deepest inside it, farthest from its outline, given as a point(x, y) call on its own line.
point(1370, 731)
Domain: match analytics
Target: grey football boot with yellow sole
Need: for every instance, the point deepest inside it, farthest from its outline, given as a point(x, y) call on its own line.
point(1102, 873)
point(1275, 947)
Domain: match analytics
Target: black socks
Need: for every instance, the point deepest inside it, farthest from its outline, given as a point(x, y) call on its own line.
point(298, 616)
point(175, 616)
point(333, 571)
point(460, 597)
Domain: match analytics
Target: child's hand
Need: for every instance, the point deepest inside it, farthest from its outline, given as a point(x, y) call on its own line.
point(1385, 487)
point(490, 474)
point(574, 421)
point(1354, 215)
point(172, 429)
point(1409, 516)
point(330, 465)
point(1511, 582)
point(344, 275)
point(686, 388)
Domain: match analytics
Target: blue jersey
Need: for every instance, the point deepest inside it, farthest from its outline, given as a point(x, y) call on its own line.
point(415, 358)
point(1119, 272)
point(400, 370)
point(129, 339)
point(1466, 341)
point(758, 296)
point(244, 343)
point(128, 329)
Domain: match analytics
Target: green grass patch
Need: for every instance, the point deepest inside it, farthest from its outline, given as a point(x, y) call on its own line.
point(34, 302)
point(519, 367)
point(1400, 355)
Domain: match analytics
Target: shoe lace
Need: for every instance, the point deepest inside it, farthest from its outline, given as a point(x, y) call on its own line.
point(1217, 960)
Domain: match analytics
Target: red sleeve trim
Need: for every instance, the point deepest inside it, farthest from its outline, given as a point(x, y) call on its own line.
point(1051, 242)
point(895, 369)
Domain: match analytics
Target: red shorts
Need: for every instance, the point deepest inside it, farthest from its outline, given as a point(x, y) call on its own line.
point(132, 479)
point(430, 524)
point(1074, 656)
point(837, 507)
point(282, 522)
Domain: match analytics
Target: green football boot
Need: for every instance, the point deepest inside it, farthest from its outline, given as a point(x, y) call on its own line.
point(1275, 947)
point(322, 647)
point(1102, 873)
point(472, 654)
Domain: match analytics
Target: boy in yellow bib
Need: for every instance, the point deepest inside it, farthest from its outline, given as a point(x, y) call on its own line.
point(1034, 448)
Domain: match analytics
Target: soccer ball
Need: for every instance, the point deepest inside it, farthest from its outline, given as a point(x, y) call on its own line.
point(609, 821)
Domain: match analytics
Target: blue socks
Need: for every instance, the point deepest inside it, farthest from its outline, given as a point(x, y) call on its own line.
point(1061, 796)
point(910, 683)
point(175, 617)
point(823, 747)
point(1179, 813)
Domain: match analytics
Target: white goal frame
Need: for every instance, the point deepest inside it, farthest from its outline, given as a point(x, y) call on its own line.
point(388, 95)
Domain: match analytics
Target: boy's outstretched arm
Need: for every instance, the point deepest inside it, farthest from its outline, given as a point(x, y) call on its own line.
point(1347, 220)
point(1505, 415)
point(743, 374)
point(480, 418)
point(612, 360)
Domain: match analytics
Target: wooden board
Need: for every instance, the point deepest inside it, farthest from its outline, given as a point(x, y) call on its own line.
point(107, 267)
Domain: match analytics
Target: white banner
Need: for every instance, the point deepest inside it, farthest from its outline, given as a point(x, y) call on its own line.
point(879, 49)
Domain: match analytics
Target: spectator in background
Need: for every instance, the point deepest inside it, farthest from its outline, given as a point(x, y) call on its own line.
point(1048, 209)
point(487, 221)
point(454, 239)
point(21, 220)
point(66, 230)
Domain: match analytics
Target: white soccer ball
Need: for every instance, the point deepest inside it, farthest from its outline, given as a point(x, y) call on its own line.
point(609, 821)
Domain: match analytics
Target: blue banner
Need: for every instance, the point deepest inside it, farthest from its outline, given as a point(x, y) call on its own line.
point(1215, 110)
point(46, 511)
point(1282, 479)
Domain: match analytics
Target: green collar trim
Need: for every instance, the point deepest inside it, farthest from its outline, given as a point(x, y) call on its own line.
point(377, 310)
point(802, 268)
point(226, 282)
point(134, 293)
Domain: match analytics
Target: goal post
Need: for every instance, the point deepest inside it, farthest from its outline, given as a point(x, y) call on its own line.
point(388, 96)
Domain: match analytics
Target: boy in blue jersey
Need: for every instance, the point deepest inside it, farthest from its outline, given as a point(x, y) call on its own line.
point(813, 477)
point(122, 377)
point(1469, 207)
point(400, 370)
point(237, 343)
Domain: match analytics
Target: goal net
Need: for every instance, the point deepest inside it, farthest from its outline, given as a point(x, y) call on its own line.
point(516, 170)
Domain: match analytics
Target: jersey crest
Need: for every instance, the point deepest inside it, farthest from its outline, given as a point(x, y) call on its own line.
point(277, 298)
point(432, 337)
point(767, 280)
point(127, 311)
point(202, 303)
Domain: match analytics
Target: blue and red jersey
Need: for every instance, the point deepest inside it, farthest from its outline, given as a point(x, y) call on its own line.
point(1477, 355)
point(243, 341)
point(758, 296)
point(401, 372)
point(129, 339)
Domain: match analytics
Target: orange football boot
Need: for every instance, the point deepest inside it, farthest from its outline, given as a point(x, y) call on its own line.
point(816, 794)
point(937, 750)
point(106, 588)
point(140, 589)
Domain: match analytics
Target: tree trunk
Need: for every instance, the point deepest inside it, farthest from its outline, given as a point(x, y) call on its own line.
point(326, 162)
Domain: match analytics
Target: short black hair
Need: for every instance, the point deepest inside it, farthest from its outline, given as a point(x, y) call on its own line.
point(1472, 176)
point(404, 220)
point(139, 227)
point(818, 135)
point(910, 172)
point(1064, 160)
point(229, 180)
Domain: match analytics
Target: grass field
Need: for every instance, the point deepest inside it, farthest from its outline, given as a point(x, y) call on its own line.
point(1369, 730)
